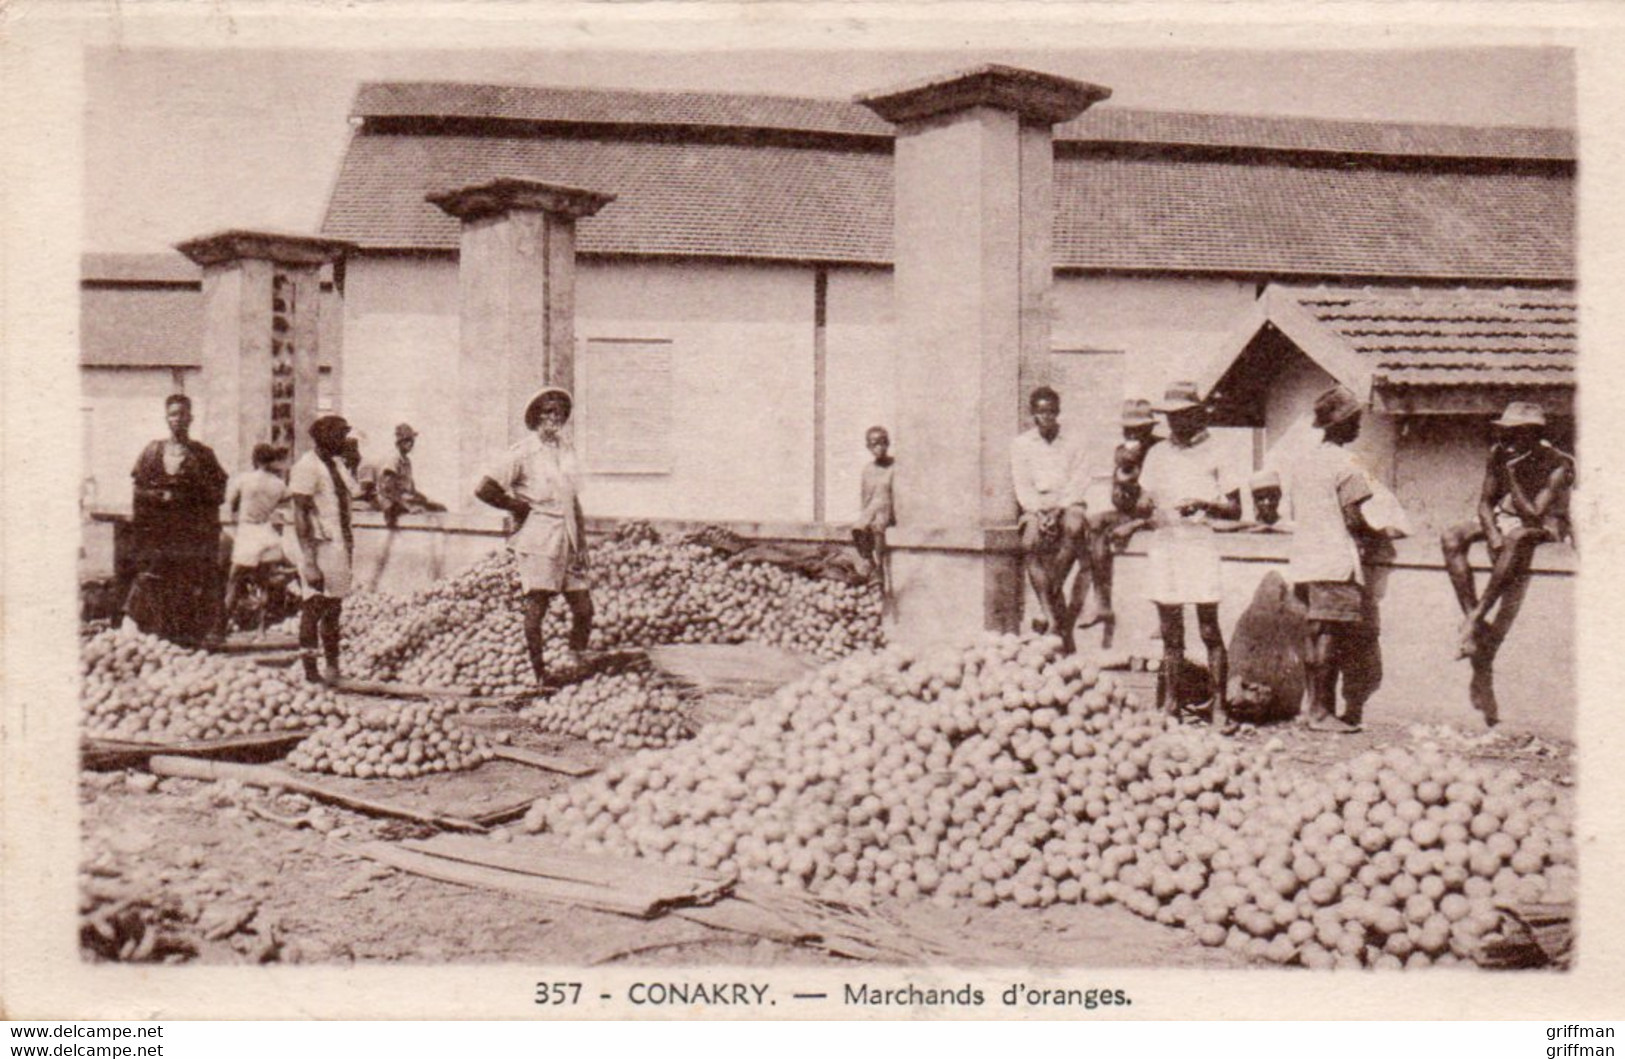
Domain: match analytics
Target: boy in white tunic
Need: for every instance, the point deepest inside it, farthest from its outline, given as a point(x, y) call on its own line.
point(1328, 488)
point(538, 482)
point(322, 493)
point(1188, 487)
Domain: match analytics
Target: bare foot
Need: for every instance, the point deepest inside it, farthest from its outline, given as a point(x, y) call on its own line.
point(1333, 725)
point(1040, 626)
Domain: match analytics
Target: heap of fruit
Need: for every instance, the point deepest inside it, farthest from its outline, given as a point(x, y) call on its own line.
point(631, 710)
point(1006, 772)
point(467, 630)
point(142, 688)
point(397, 740)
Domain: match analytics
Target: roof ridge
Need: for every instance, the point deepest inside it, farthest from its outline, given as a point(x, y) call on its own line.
point(843, 116)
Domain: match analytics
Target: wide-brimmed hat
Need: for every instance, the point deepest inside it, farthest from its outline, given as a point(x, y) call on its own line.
point(1522, 414)
point(1180, 396)
point(1335, 406)
point(533, 409)
point(1264, 480)
point(1137, 413)
point(404, 432)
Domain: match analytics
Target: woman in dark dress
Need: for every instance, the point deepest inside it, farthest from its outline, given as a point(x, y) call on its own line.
point(179, 487)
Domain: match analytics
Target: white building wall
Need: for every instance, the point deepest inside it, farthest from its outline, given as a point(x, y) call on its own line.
point(861, 388)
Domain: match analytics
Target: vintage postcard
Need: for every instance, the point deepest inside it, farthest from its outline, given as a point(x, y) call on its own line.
point(826, 513)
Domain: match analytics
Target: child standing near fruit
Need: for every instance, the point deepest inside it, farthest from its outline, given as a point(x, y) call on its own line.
point(878, 512)
point(538, 483)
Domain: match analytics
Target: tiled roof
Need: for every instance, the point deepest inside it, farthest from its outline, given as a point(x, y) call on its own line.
point(1505, 338)
point(834, 117)
point(834, 205)
point(715, 200)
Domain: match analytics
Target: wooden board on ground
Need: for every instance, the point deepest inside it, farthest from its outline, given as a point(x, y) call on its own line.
point(385, 689)
point(260, 746)
point(583, 895)
point(470, 794)
point(665, 885)
point(1266, 646)
point(239, 644)
point(743, 669)
point(270, 777)
point(545, 762)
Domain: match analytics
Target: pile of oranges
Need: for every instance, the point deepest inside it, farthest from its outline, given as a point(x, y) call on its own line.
point(142, 688)
point(393, 741)
point(632, 710)
point(1001, 771)
point(467, 630)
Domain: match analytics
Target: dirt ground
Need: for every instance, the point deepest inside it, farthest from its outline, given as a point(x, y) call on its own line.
point(244, 875)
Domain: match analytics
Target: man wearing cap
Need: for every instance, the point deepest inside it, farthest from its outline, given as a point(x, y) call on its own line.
point(1188, 487)
point(1048, 472)
point(1524, 502)
point(1111, 529)
point(322, 492)
point(397, 490)
point(538, 482)
point(1328, 489)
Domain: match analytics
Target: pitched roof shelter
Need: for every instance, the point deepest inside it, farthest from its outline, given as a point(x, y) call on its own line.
point(1409, 351)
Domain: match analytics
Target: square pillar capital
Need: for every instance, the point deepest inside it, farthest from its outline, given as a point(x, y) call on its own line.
point(281, 248)
point(506, 194)
point(1037, 98)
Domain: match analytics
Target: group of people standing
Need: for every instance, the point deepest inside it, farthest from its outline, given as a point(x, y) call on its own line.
point(1178, 486)
point(179, 488)
point(1175, 484)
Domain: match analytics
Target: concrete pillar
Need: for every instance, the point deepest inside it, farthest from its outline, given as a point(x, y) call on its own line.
point(262, 309)
point(972, 276)
point(516, 288)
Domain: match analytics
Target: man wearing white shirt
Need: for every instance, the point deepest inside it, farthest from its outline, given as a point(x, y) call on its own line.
point(1048, 472)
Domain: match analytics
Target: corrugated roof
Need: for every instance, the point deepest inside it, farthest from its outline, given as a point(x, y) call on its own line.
point(833, 117)
point(1505, 338)
point(827, 204)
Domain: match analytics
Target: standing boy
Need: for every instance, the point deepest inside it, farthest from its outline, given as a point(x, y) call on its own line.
point(321, 491)
point(878, 512)
point(1188, 487)
point(1328, 488)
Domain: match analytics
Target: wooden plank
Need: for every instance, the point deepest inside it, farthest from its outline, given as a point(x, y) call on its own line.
point(557, 891)
point(546, 762)
point(744, 918)
point(649, 879)
point(265, 776)
point(120, 753)
point(384, 689)
point(505, 814)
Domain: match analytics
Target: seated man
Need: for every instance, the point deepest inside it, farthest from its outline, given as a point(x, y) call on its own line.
point(396, 489)
point(1049, 478)
point(1523, 503)
point(1109, 531)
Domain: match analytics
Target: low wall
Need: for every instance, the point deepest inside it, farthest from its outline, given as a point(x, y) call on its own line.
point(1424, 683)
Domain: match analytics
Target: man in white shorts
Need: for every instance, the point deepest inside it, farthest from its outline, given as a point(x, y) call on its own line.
point(1188, 487)
point(321, 493)
point(254, 497)
point(538, 482)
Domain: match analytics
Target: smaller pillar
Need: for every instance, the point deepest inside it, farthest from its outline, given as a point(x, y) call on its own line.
point(516, 290)
point(262, 309)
